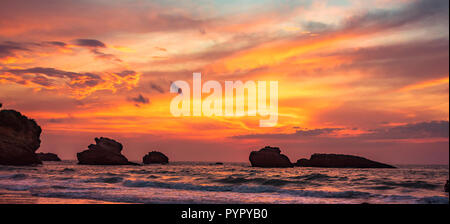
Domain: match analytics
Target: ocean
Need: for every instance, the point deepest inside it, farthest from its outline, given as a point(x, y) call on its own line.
point(192, 182)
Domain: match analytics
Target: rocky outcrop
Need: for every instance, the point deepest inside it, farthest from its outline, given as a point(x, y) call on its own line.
point(446, 186)
point(105, 152)
point(340, 161)
point(48, 156)
point(269, 157)
point(19, 139)
point(155, 158)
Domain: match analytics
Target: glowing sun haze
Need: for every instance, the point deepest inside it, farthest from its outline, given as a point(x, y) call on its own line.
point(369, 78)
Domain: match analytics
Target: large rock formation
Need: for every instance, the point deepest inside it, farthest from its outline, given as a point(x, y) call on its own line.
point(105, 152)
point(155, 158)
point(446, 186)
point(340, 161)
point(19, 139)
point(269, 157)
point(48, 156)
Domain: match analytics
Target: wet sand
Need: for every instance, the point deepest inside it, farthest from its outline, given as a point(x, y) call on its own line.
point(24, 197)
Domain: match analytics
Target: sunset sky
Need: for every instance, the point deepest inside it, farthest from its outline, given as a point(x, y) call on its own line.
point(368, 78)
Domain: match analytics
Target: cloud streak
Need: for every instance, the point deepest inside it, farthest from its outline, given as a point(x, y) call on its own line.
point(140, 99)
point(422, 130)
point(80, 84)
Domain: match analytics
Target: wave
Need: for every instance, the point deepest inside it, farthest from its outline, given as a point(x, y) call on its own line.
point(143, 171)
point(433, 200)
point(246, 189)
point(298, 180)
point(262, 181)
point(407, 184)
point(155, 199)
point(18, 176)
point(145, 184)
point(15, 187)
point(140, 172)
point(66, 170)
point(313, 176)
point(12, 168)
point(108, 180)
point(319, 176)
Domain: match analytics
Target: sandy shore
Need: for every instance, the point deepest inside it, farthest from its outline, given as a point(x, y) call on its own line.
point(23, 197)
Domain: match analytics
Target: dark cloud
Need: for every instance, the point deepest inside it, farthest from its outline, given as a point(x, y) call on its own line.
point(126, 73)
point(77, 80)
point(91, 18)
point(41, 80)
point(105, 56)
point(221, 50)
point(53, 72)
point(95, 46)
point(140, 99)
point(313, 26)
point(422, 11)
point(9, 49)
point(434, 129)
point(90, 43)
point(297, 135)
point(47, 77)
point(57, 43)
point(316, 132)
point(414, 61)
point(157, 88)
point(59, 120)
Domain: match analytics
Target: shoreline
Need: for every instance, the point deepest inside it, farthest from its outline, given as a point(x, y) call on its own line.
point(25, 197)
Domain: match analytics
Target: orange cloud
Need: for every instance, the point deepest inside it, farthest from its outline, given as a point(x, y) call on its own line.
point(425, 84)
point(79, 85)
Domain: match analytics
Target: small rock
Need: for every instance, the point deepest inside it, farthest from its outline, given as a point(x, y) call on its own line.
point(155, 158)
point(340, 161)
point(269, 157)
point(48, 157)
point(105, 152)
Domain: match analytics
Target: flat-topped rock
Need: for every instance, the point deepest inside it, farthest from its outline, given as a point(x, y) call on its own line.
point(19, 139)
point(105, 152)
point(155, 158)
point(269, 157)
point(48, 156)
point(340, 161)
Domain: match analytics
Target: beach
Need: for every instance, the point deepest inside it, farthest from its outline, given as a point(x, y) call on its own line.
point(66, 182)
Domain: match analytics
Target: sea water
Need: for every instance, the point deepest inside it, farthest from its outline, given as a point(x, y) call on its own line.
point(191, 182)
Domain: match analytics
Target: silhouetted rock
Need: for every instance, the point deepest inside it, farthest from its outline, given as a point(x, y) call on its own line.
point(48, 157)
point(105, 152)
point(446, 187)
point(269, 157)
point(155, 158)
point(19, 139)
point(340, 161)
